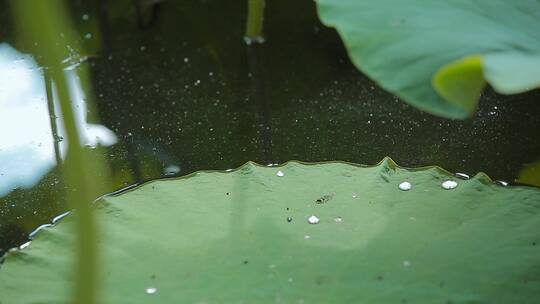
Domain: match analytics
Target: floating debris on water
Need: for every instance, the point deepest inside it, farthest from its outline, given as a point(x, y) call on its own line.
point(280, 173)
point(313, 219)
point(151, 290)
point(324, 199)
point(449, 184)
point(338, 219)
point(355, 196)
point(405, 186)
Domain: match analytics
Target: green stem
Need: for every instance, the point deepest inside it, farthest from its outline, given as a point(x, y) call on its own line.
point(40, 23)
point(80, 195)
point(255, 18)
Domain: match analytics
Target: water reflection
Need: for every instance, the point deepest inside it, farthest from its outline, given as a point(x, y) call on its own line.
point(32, 140)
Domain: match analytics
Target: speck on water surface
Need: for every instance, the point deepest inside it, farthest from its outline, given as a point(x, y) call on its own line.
point(280, 173)
point(151, 290)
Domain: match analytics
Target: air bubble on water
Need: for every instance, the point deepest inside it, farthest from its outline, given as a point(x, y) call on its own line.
point(501, 183)
point(280, 173)
point(143, 48)
point(289, 219)
point(171, 170)
point(307, 237)
point(151, 290)
point(462, 175)
point(313, 219)
point(355, 196)
point(186, 60)
point(406, 263)
point(85, 17)
point(449, 184)
point(405, 186)
point(88, 36)
point(338, 219)
point(290, 280)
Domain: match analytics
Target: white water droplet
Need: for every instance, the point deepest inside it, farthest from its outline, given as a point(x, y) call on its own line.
point(338, 219)
point(313, 219)
point(405, 186)
point(449, 184)
point(280, 173)
point(151, 290)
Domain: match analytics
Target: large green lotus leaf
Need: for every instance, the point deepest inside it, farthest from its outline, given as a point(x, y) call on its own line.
point(437, 55)
point(244, 237)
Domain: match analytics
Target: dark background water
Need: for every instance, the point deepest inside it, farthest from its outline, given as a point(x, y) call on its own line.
point(178, 86)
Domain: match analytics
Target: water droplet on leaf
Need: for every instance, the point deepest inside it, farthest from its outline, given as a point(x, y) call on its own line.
point(449, 184)
point(405, 186)
point(313, 219)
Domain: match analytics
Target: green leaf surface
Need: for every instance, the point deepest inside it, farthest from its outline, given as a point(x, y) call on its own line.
point(402, 44)
point(243, 237)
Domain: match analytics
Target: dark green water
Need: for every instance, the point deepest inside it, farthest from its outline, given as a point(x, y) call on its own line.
point(178, 86)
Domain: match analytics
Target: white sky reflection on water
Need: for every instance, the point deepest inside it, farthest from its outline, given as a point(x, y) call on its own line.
point(26, 141)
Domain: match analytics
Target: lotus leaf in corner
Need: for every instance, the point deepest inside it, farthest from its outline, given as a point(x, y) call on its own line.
point(438, 55)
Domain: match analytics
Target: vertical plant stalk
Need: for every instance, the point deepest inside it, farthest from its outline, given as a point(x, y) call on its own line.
point(255, 20)
point(80, 194)
point(39, 24)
